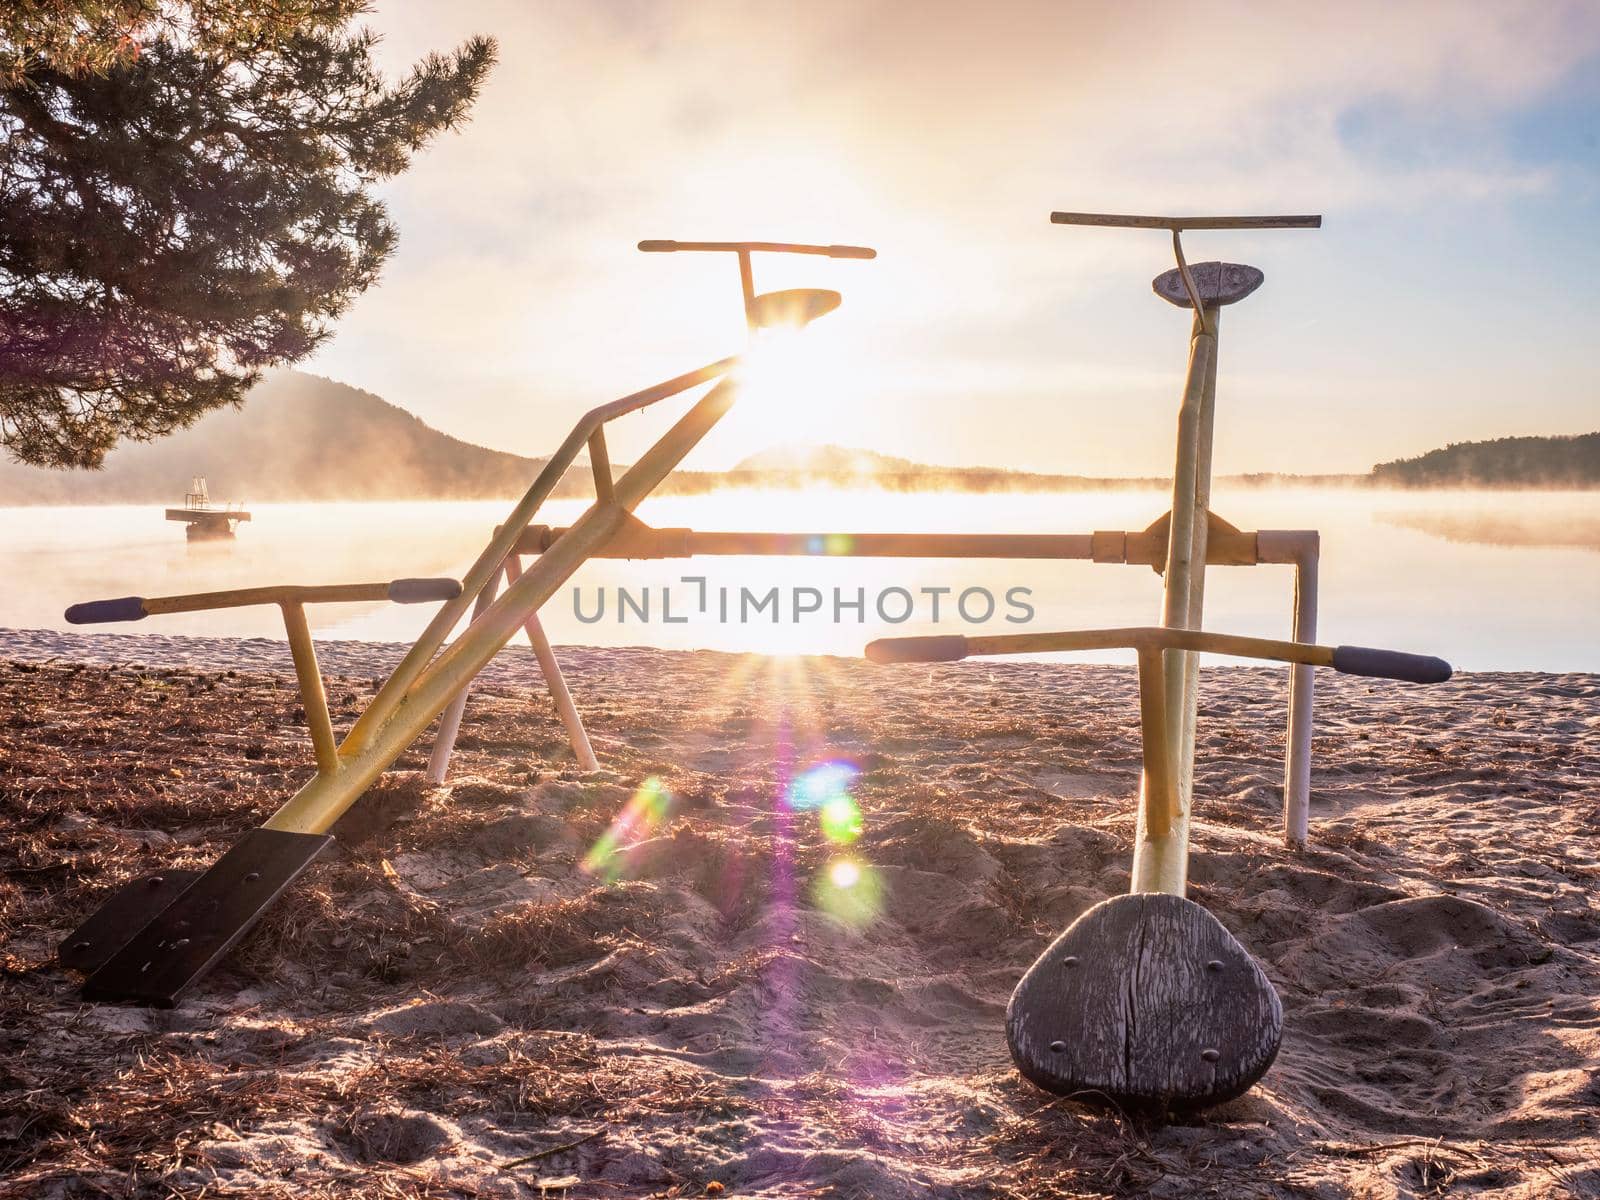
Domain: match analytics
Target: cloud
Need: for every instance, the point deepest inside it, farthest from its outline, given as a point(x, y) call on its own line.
point(942, 133)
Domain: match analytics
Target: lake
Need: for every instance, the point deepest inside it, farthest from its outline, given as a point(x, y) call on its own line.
point(1488, 580)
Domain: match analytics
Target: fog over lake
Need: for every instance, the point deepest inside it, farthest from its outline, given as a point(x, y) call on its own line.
point(1489, 580)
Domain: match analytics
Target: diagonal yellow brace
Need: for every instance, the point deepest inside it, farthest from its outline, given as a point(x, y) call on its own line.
point(373, 745)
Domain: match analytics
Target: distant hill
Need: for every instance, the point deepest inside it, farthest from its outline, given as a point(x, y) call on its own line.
point(1512, 462)
point(297, 437)
point(829, 460)
point(843, 466)
point(302, 437)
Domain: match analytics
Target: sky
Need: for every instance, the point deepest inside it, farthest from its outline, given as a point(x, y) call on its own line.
point(1453, 150)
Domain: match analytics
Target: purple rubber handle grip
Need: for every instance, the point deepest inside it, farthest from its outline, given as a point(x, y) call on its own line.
point(96, 612)
point(1390, 664)
point(420, 591)
point(917, 649)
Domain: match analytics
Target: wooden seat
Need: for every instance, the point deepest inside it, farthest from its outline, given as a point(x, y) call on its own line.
point(1146, 1003)
point(1217, 282)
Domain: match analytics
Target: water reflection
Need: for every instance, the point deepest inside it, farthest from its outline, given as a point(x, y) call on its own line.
point(1489, 580)
point(1512, 531)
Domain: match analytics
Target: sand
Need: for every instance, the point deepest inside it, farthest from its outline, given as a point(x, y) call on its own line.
point(452, 1005)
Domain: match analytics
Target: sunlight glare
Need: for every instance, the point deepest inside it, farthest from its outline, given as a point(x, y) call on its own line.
point(644, 814)
point(850, 891)
point(777, 366)
point(819, 785)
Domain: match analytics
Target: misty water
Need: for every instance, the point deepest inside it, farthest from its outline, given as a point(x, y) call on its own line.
point(1489, 580)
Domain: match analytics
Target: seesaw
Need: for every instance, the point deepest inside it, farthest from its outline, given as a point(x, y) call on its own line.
point(1146, 1001)
point(1225, 546)
point(155, 939)
point(151, 941)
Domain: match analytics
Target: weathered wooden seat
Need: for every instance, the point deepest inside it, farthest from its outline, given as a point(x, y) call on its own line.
point(1147, 1003)
point(1217, 282)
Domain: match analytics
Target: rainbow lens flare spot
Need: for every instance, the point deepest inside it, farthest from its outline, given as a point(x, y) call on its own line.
point(827, 781)
point(645, 812)
point(841, 819)
point(850, 891)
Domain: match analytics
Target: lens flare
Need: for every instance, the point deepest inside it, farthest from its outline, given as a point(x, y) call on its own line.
point(646, 811)
point(833, 544)
point(827, 781)
point(841, 820)
point(849, 890)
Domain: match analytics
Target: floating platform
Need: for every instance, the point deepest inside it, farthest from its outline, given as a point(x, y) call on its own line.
point(207, 523)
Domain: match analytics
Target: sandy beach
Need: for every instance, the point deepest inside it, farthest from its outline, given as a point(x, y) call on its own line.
point(477, 994)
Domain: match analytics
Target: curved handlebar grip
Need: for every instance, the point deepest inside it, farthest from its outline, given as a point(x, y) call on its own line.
point(1390, 664)
point(918, 649)
point(657, 246)
point(96, 612)
point(852, 252)
point(419, 591)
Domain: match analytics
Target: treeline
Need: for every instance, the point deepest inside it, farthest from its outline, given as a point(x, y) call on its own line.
point(1521, 462)
point(301, 437)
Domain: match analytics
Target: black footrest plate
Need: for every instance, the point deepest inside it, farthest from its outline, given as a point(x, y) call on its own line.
point(128, 909)
point(187, 938)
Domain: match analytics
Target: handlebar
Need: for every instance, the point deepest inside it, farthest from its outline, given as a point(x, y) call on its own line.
point(420, 591)
point(136, 608)
point(1351, 660)
point(660, 246)
point(918, 649)
point(1176, 224)
point(99, 612)
point(1390, 664)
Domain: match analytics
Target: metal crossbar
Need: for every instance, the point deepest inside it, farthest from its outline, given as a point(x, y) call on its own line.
point(1226, 546)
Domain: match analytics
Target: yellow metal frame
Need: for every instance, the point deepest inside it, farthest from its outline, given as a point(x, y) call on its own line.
point(1224, 546)
point(432, 674)
point(1165, 655)
point(1161, 809)
point(1161, 849)
point(291, 602)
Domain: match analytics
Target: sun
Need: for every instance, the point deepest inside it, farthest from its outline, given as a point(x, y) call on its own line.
point(798, 387)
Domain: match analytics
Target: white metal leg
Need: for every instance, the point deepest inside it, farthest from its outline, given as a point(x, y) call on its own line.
point(577, 736)
point(1302, 548)
point(444, 741)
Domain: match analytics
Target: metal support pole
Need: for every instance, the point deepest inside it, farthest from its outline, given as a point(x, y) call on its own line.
point(313, 698)
point(577, 736)
point(1161, 860)
point(1301, 548)
point(1297, 755)
point(1161, 806)
point(444, 741)
point(600, 465)
point(747, 285)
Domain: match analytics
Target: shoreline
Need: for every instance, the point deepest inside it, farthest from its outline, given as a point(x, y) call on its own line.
point(685, 484)
point(512, 665)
